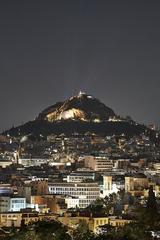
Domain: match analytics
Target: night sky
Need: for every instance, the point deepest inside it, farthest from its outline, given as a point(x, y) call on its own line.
point(49, 50)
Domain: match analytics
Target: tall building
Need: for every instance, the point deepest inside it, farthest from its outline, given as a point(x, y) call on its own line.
point(107, 185)
point(136, 182)
point(129, 184)
point(112, 184)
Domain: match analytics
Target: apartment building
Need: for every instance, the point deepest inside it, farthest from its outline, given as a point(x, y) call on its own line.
point(85, 192)
point(99, 163)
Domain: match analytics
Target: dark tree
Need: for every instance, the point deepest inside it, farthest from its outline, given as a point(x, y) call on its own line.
point(151, 202)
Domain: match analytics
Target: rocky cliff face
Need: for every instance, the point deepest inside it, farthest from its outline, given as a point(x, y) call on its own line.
point(79, 114)
point(82, 107)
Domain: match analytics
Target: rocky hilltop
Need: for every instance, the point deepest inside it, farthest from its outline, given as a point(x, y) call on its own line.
point(82, 107)
point(79, 114)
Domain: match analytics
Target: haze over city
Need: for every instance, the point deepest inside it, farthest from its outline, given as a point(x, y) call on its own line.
point(51, 51)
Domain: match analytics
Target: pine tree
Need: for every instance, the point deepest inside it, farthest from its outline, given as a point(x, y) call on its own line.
point(151, 214)
point(151, 202)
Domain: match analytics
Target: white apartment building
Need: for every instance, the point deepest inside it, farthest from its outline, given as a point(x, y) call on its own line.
point(72, 202)
point(16, 204)
point(85, 192)
point(12, 204)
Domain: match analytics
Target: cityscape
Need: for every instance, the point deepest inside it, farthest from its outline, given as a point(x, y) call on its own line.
point(106, 180)
point(80, 123)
